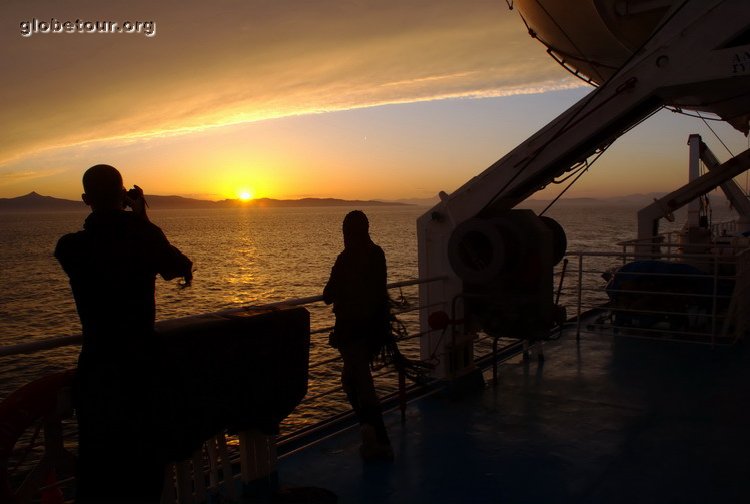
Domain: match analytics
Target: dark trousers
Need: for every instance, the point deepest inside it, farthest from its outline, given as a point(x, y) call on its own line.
point(120, 459)
point(360, 388)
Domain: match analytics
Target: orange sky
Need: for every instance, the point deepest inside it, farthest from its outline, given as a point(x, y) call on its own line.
point(357, 99)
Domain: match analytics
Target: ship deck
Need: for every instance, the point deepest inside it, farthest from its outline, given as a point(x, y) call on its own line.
point(615, 420)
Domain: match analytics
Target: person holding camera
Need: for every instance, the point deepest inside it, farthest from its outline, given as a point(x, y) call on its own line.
point(112, 265)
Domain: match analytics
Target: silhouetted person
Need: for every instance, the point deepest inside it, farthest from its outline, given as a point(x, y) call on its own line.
point(112, 265)
point(357, 289)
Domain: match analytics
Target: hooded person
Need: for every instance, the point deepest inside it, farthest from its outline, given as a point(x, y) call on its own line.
point(357, 289)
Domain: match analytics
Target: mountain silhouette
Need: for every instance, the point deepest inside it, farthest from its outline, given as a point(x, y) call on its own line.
point(35, 202)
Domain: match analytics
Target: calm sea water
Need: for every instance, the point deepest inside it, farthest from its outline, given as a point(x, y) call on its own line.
point(242, 257)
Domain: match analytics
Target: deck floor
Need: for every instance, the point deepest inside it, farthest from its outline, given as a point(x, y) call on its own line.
point(604, 420)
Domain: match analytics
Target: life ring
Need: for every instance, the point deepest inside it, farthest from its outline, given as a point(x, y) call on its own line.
point(19, 411)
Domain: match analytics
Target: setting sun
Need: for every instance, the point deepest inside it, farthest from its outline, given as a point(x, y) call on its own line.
point(245, 196)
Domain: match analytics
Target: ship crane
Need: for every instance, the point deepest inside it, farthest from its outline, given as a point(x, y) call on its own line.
point(696, 233)
point(642, 55)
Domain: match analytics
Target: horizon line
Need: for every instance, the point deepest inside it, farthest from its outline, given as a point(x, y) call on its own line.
point(378, 200)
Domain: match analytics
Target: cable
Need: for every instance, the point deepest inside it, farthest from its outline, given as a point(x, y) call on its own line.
point(586, 165)
point(697, 115)
point(580, 172)
point(573, 172)
point(562, 192)
point(678, 110)
point(725, 145)
point(715, 134)
point(563, 128)
point(586, 101)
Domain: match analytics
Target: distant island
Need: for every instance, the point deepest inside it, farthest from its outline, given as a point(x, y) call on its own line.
point(34, 202)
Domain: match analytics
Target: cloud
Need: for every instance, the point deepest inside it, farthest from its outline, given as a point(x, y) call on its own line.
point(14, 177)
point(222, 63)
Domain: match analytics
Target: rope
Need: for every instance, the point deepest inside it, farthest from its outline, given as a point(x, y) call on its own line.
point(388, 352)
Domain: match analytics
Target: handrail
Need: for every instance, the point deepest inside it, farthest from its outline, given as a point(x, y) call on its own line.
point(77, 339)
point(391, 398)
point(607, 253)
point(704, 325)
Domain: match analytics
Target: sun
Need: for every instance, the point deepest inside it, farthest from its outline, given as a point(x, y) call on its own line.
point(245, 195)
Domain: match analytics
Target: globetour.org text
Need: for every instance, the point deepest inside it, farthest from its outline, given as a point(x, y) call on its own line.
point(56, 26)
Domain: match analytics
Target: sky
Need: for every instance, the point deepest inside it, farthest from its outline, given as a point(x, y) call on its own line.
point(359, 99)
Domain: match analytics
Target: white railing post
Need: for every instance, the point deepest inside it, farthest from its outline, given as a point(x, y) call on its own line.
point(258, 462)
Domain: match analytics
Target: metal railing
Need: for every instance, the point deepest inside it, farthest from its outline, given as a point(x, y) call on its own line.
point(77, 339)
point(721, 318)
point(698, 301)
point(225, 460)
point(228, 461)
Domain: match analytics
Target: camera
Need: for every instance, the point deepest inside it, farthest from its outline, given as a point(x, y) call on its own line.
point(133, 195)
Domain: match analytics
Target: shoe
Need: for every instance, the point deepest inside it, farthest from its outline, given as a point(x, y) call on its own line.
point(371, 449)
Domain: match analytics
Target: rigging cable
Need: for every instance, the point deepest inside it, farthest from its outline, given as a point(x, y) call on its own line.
point(586, 101)
point(587, 164)
point(569, 123)
point(725, 146)
point(573, 172)
point(678, 110)
point(715, 134)
point(584, 168)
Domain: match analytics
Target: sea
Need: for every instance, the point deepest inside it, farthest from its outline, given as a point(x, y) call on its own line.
point(242, 257)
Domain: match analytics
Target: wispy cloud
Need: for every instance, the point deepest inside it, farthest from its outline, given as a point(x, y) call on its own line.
point(14, 177)
point(228, 62)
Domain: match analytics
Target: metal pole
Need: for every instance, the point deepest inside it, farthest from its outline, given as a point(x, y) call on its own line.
point(402, 395)
point(714, 304)
point(580, 297)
